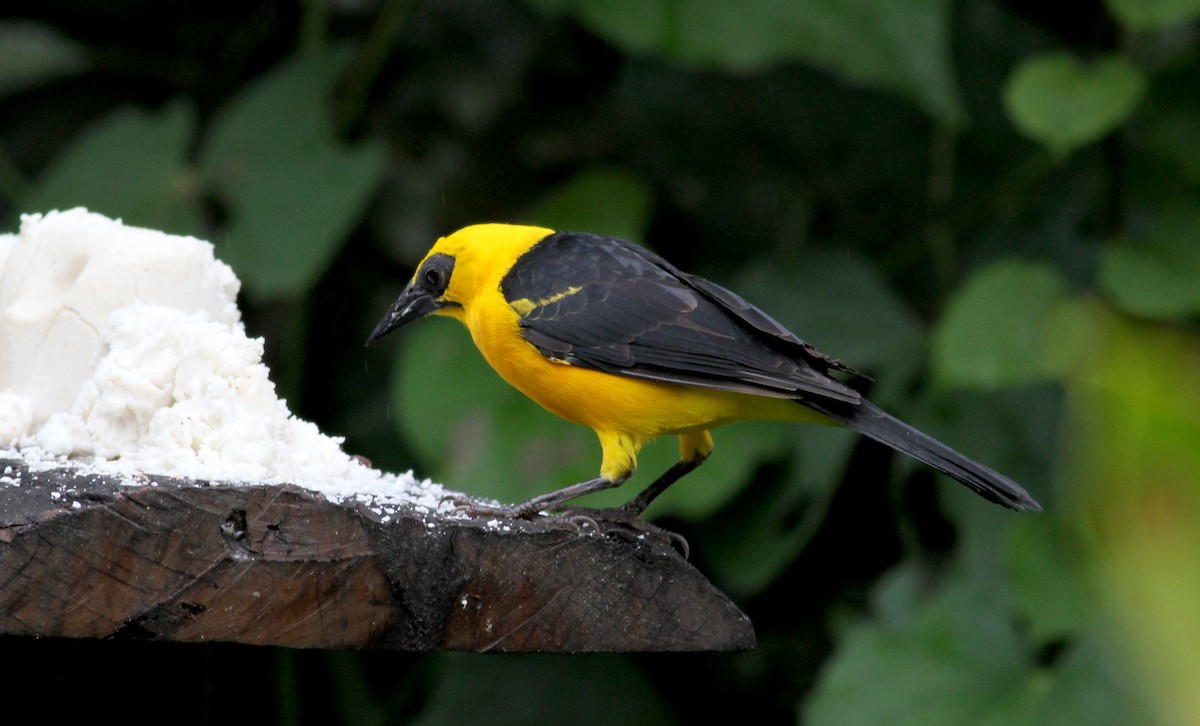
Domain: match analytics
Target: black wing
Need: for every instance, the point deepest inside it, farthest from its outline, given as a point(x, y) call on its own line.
point(610, 305)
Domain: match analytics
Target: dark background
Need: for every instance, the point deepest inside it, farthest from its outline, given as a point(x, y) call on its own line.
point(990, 207)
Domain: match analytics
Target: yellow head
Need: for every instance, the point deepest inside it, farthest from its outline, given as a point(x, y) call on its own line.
point(457, 269)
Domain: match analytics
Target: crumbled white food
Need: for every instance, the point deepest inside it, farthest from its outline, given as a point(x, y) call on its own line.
point(67, 272)
point(124, 351)
point(16, 417)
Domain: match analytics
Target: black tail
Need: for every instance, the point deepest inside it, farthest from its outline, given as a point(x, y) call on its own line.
point(875, 423)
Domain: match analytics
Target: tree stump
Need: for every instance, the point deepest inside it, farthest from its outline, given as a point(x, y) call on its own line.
point(87, 556)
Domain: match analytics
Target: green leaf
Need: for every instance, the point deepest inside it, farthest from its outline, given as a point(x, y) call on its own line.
point(1058, 101)
point(293, 191)
point(1091, 684)
point(901, 46)
point(949, 662)
point(599, 200)
point(32, 52)
point(994, 331)
point(1150, 14)
point(1155, 270)
point(129, 166)
point(953, 656)
point(1046, 564)
point(1150, 281)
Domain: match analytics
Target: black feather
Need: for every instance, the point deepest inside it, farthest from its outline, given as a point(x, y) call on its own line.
point(875, 423)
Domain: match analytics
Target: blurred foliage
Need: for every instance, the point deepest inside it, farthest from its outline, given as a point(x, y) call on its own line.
point(32, 53)
point(1153, 13)
point(989, 206)
point(1055, 99)
point(895, 45)
point(275, 134)
point(985, 345)
point(1133, 462)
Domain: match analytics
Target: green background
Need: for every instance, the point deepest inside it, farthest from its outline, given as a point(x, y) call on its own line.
point(991, 207)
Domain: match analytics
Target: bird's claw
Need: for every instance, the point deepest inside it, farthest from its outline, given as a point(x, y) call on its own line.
point(460, 502)
point(627, 521)
point(579, 520)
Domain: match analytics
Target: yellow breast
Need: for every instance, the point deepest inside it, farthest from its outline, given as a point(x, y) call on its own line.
point(602, 401)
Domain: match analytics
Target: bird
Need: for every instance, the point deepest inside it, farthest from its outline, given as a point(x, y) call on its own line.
point(607, 334)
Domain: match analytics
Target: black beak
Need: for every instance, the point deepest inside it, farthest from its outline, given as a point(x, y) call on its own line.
point(413, 304)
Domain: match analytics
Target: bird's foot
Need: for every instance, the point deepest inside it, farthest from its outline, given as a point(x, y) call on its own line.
point(474, 508)
point(629, 525)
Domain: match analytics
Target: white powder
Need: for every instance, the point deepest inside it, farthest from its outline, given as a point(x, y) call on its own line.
point(16, 416)
point(122, 350)
point(64, 276)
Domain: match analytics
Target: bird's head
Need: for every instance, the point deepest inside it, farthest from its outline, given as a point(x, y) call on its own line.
point(456, 270)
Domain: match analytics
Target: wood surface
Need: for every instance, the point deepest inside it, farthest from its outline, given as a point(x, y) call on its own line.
point(89, 556)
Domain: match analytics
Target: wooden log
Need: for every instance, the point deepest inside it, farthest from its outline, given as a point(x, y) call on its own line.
point(87, 556)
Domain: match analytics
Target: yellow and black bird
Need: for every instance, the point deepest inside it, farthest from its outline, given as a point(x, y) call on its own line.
point(609, 335)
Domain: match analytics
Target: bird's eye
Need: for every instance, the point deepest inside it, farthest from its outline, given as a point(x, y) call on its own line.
point(435, 273)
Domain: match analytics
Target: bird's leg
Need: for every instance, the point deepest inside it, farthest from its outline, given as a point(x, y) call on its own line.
point(638, 504)
point(549, 501)
point(694, 449)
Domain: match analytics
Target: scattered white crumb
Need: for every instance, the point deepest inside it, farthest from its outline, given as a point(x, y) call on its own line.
point(125, 355)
